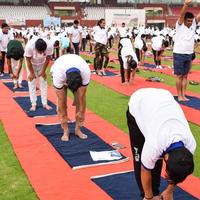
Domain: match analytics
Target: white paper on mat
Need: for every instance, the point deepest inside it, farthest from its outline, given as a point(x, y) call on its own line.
point(105, 155)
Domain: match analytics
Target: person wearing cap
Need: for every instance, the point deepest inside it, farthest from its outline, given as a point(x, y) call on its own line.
point(129, 61)
point(159, 131)
point(5, 37)
point(184, 48)
point(71, 72)
point(37, 54)
point(15, 57)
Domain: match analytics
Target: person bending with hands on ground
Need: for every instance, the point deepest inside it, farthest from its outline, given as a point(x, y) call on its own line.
point(184, 48)
point(71, 72)
point(159, 131)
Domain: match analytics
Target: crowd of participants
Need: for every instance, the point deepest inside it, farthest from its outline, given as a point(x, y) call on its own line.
point(40, 45)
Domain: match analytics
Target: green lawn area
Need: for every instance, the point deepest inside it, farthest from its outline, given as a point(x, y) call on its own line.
point(14, 184)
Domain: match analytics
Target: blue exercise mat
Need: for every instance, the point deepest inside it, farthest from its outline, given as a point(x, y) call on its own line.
point(5, 76)
point(123, 186)
point(193, 102)
point(149, 65)
point(24, 88)
point(25, 104)
point(110, 73)
point(76, 151)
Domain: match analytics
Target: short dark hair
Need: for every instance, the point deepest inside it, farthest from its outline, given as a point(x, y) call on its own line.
point(179, 164)
point(131, 62)
point(188, 15)
point(100, 21)
point(4, 25)
point(41, 45)
point(74, 81)
point(76, 22)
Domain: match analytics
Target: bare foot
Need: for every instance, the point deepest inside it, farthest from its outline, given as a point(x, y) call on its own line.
point(181, 99)
point(81, 135)
point(33, 108)
point(125, 83)
point(65, 137)
point(185, 98)
point(15, 87)
point(47, 107)
point(20, 86)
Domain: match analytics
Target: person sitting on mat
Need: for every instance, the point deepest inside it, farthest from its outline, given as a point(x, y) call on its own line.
point(159, 131)
point(129, 59)
point(71, 72)
point(15, 57)
point(38, 53)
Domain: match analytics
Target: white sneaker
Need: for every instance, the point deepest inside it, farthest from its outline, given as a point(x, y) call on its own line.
point(160, 67)
point(1, 74)
point(157, 67)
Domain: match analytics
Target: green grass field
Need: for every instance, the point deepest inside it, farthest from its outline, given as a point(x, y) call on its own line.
point(14, 184)
point(111, 106)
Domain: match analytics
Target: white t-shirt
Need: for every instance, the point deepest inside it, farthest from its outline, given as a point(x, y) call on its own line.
point(122, 31)
point(157, 43)
point(38, 59)
point(138, 43)
point(66, 62)
point(184, 38)
point(161, 121)
point(75, 32)
point(126, 42)
point(126, 51)
point(4, 40)
point(100, 35)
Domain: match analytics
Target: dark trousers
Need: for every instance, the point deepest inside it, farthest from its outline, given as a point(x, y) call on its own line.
point(2, 61)
point(110, 40)
point(56, 53)
point(84, 42)
point(137, 52)
point(137, 142)
point(76, 48)
point(157, 62)
point(121, 66)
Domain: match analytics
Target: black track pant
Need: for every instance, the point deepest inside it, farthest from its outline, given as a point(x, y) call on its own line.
point(137, 141)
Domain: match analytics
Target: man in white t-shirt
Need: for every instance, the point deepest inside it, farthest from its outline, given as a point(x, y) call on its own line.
point(129, 60)
point(158, 129)
point(38, 52)
point(184, 48)
point(158, 47)
point(71, 71)
point(75, 36)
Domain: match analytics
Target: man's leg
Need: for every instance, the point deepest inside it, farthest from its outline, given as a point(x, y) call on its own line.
point(179, 85)
point(98, 58)
point(184, 87)
point(137, 142)
point(43, 89)
point(121, 68)
point(32, 90)
point(78, 131)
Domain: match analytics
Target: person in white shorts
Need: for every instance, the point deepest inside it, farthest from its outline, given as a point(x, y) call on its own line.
point(38, 52)
point(71, 72)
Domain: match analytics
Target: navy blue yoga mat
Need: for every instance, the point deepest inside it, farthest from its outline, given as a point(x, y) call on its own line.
point(110, 73)
point(76, 151)
point(193, 102)
point(25, 104)
point(24, 88)
point(149, 65)
point(5, 76)
point(123, 186)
